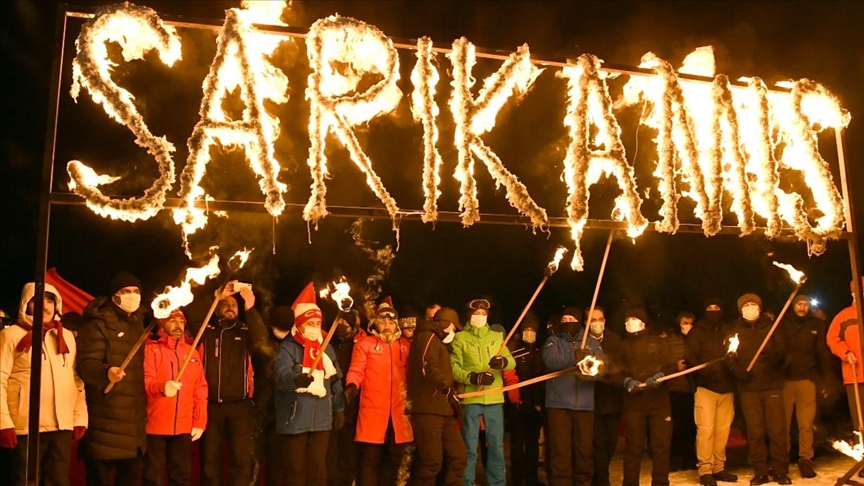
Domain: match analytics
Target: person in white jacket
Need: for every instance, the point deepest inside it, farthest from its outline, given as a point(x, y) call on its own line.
point(62, 408)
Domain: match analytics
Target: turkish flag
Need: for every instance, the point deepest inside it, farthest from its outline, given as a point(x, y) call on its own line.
point(74, 299)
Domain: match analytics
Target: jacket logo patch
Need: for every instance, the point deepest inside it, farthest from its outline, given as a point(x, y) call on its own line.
point(121, 334)
point(814, 331)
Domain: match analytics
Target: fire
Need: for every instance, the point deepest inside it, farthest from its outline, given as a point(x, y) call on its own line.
point(553, 265)
point(733, 344)
point(425, 77)
point(589, 366)
point(240, 62)
point(796, 275)
point(474, 117)
point(855, 452)
point(340, 294)
point(91, 69)
point(241, 257)
point(176, 297)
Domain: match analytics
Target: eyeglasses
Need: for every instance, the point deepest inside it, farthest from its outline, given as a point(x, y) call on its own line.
point(479, 304)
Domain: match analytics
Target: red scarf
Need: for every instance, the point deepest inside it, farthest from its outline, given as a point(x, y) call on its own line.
point(27, 341)
point(311, 349)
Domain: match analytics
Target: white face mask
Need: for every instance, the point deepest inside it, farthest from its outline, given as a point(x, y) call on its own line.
point(477, 320)
point(130, 302)
point(312, 333)
point(449, 337)
point(597, 327)
point(634, 325)
point(685, 329)
point(750, 312)
point(529, 336)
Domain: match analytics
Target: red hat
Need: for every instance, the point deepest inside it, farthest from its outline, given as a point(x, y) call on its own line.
point(305, 307)
point(176, 313)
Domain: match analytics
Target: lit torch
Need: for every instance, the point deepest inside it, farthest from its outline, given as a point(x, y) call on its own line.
point(799, 278)
point(589, 366)
point(340, 294)
point(732, 348)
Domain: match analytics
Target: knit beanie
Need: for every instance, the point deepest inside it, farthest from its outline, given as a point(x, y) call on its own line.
point(282, 318)
point(744, 299)
point(573, 312)
point(637, 313)
point(801, 297)
point(122, 280)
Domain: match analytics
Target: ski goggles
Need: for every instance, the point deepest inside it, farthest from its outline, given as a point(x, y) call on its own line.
point(479, 304)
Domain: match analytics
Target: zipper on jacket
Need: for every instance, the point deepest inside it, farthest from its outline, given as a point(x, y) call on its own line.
point(177, 396)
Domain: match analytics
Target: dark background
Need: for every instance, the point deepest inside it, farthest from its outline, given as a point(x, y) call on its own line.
point(444, 261)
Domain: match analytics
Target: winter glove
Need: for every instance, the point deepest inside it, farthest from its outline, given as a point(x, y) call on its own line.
point(350, 393)
point(196, 433)
point(454, 402)
point(498, 362)
point(481, 379)
point(850, 358)
point(631, 385)
point(303, 380)
point(171, 388)
point(338, 420)
point(580, 354)
point(78, 432)
point(8, 439)
point(652, 382)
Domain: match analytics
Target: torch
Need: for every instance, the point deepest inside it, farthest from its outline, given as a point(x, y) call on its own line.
point(172, 298)
point(235, 263)
point(799, 278)
point(732, 348)
point(551, 268)
point(339, 295)
point(597, 286)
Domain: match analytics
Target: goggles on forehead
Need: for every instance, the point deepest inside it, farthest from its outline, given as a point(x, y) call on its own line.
point(387, 314)
point(479, 304)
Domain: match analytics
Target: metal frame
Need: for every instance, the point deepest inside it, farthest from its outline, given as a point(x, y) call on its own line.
point(49, 197)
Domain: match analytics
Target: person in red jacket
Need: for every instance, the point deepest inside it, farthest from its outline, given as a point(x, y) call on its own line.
point(176, 409)
point(378, 371)
point(844, 341)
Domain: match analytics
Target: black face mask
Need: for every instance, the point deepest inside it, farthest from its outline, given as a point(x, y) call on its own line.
point(714, 316)
point(571, 328)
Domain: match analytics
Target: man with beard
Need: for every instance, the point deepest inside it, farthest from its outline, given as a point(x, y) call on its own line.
point(226, 348)
point(527, 416)
point(378, 373)
point(433, 403)
point(714, 401)
point(570, 403)
point(608, 397)
point(761, 391)
point(116, 439)
point(808, 358)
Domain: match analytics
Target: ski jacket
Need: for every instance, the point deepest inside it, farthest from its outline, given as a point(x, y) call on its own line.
point(175, 415)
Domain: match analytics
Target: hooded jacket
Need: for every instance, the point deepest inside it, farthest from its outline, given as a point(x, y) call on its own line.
point(707, 342)
point(298, 413)
point(472, 350)
point(62, 404)
point(843, 337)
point(379, 370)
point(429, 371)
point(117, 419)
point(567, 391)
point(175, 415)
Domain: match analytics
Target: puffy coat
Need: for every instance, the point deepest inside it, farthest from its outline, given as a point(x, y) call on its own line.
point(472, 350)
point(566, 391)
point(62, 405)
point(379, 370)
point(429, 371)
point(298, 413)
point(175, 415)
point(117, 419)
point(843, 336)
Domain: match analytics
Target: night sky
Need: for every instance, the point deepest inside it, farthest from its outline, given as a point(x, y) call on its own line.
point(443, 262)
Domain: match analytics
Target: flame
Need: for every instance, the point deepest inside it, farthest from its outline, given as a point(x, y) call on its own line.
point(425, 77)
point(855, 452)
point(241, 257)
point(176, 297)
point(553, 265)
point(91, 69)
point(340, 294)
point(796, 275)
point(733, 344)
point(589, 366)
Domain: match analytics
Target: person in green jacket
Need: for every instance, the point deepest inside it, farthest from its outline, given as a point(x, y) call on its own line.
point(476, 364)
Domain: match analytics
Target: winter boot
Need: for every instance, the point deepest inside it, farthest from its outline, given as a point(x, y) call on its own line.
point(805, 467)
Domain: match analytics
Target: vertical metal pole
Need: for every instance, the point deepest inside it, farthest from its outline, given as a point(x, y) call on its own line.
point(42, 249)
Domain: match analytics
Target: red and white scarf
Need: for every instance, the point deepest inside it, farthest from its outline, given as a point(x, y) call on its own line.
point(323, 370)
point(26, 342)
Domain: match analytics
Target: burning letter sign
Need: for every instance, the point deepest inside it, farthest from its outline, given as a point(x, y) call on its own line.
point(712, 138)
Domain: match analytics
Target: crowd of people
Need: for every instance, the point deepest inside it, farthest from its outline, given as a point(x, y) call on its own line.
point(379, 398)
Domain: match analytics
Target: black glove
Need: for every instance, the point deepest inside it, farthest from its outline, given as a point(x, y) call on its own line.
point(338, 420)
point(498, 362)
point(481, 379)
point(631, 385)
point(580, 354)
point(350, 393)
point(303, 380)
point(454, 402)
point(652, 381)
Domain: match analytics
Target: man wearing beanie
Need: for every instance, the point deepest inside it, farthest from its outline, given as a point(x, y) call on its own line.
point(643, 361)
point(714, 400)
point(761, 391)
point(176, 410)
point(809, 361)
point(526, 416)
point(116, 438)
point(226, 348)
point(570, 402)
point(476, 364)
